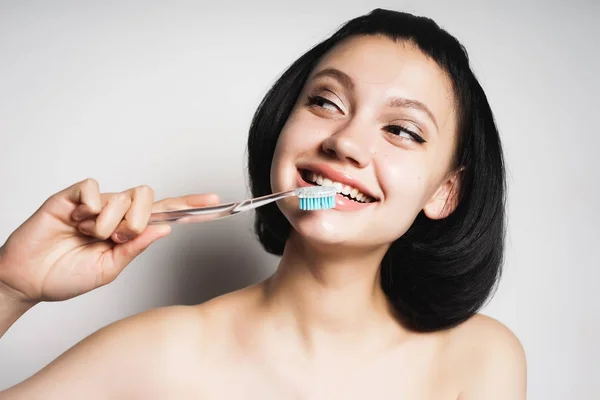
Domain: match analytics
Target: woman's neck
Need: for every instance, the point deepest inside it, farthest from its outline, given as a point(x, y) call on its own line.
point(326, 296)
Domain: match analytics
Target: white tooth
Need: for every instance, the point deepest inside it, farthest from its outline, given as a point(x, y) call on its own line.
point(313, 177)
point(338, 186)
point(346, 189)
point(353, 193)
point(327, 182)
point(319, 180)
point(359, 196)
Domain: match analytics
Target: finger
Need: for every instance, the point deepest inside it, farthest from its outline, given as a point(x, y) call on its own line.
point(108, 219)
point(183, 202)
point(91, 203)
point(81, 213)
point(89, 195)
point(136, 218)
point(122, 254)
point(86, 197)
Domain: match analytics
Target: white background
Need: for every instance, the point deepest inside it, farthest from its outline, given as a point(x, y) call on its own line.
point(162, 93)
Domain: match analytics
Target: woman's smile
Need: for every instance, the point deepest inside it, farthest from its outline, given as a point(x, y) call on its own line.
point(352, 195)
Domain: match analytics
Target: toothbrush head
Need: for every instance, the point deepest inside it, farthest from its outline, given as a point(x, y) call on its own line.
point(316, 197)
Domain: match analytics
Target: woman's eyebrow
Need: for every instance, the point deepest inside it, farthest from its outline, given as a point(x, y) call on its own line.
point(340, 76)
point(414, 104)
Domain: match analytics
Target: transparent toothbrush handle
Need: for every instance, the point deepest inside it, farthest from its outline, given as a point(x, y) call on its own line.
point(215, 212)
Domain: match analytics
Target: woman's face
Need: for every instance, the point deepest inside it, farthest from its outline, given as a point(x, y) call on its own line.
point(377, 117)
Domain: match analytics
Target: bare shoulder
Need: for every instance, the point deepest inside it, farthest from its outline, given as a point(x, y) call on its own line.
point(115, 360)
point(492, 357)
point(487, 333)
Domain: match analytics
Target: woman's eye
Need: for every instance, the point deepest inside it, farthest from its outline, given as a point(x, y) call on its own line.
point(322, 102)
point(404, 133)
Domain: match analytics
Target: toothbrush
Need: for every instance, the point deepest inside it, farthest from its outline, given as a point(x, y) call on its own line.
point(311, 198)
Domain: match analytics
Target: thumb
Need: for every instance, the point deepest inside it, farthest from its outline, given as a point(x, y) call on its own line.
point(124, 253)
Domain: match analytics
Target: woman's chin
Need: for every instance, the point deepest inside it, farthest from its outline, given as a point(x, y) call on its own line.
point(337, 228)
point(321, 227)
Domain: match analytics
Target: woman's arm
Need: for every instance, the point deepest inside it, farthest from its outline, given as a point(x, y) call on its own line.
point(11, 310)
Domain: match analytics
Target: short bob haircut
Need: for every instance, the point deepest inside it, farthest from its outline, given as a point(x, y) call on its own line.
point(440, 272)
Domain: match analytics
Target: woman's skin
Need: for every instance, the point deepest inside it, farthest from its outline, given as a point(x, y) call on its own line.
point(320, 327)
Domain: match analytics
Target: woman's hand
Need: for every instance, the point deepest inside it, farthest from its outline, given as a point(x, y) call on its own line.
point(81, 239)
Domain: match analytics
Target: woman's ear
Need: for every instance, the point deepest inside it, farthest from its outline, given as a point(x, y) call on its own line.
point(445, 199)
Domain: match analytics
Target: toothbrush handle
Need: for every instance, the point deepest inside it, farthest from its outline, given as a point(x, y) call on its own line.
point(215, 212)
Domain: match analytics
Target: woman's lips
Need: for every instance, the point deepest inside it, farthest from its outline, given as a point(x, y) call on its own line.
point(341, 203)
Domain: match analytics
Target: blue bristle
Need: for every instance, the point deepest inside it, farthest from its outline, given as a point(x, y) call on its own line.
point(317, 203)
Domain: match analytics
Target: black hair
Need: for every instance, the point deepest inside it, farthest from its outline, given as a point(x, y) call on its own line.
point(440, 272)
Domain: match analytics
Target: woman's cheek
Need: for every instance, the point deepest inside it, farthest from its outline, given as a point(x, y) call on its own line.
point(404, 182)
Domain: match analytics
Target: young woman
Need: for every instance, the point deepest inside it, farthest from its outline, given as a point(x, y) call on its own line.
point(377, 298)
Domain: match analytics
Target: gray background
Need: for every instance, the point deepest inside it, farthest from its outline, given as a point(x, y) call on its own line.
point(162, 93)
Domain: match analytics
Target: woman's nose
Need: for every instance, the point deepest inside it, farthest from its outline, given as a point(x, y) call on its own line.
point(352, 143)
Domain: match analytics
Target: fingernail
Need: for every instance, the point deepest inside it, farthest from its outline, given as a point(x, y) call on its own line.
point(122, 237)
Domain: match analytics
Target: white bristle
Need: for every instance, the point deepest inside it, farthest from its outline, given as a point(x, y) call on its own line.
point(315, 191)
